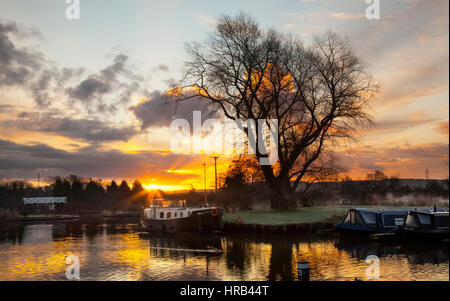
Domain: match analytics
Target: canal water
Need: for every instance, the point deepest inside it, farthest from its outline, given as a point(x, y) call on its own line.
point(110, 249)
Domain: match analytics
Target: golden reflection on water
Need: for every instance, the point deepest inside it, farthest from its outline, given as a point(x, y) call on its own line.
point(327, 262)
point(121, 252)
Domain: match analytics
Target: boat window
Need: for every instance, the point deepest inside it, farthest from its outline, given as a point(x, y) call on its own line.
point(441, 221)
point(175, 214)
point(181, 214)
point(369, 218)
point(161, 215)
point(347, 218)
point(352, 217)
point(399, 221)
point(424, 219)
point(169, 214)
point(359, 220)
point(393, 220)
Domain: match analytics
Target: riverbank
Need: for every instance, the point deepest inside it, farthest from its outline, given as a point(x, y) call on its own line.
point(31, 218)
point(303, 219)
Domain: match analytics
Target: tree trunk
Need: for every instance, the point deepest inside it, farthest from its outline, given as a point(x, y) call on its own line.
point(282, 194)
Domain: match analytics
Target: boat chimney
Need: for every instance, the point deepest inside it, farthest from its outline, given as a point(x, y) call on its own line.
point(434, 206)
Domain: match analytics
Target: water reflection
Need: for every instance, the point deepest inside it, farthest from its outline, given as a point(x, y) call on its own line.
point(119, 249)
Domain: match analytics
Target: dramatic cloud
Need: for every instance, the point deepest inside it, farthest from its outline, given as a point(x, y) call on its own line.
point(410, 160)
point(99, 94)
point(45, 82)
point(85, 129)
point(17, 65)
point(28, 69)
point(21, 161)
point(160, 110)
point(117, 80)
point(49, 84)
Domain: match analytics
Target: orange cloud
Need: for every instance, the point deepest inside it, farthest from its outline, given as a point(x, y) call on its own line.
point(442, 127)
point(409, 161)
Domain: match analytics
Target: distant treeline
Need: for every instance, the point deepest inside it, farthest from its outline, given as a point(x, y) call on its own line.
point(242, 188)
point(83, 195)
point(378, 190)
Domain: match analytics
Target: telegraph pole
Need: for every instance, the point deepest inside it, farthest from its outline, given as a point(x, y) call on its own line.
point(204, 179)
point(215, 168)
point(39, 179)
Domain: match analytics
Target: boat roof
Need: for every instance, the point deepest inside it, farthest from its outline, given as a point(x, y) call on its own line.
point(401, 211)
point(439, 212)
point(382, 211)
point(183, 208)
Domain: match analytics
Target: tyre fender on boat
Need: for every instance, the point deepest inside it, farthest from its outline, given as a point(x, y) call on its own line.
point(214, 211)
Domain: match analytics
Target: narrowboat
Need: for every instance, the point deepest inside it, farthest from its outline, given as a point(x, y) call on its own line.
point(182, 219)
point(368, 221)
point(423, 224)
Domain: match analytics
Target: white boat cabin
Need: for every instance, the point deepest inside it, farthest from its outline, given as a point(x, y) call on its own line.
point(166, 212)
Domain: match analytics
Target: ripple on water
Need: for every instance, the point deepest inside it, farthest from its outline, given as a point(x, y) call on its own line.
point(115, 251)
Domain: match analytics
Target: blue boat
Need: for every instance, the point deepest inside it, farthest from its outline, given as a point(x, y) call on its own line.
point(369, 221)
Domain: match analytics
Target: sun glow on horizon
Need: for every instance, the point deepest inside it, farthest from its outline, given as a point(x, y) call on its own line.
point(151, 187)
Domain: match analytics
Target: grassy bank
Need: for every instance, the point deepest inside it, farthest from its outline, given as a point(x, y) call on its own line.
point(305, 215)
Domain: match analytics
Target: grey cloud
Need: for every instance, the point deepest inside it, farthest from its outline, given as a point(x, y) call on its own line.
point(28, 69)
point(160, 110)
point(162, 67)
point(51, 80)
point(44, 81)
point(84, 129)
point(116, 80)
point(93, 86)
point(13, 152)
point(21, 160)
point(17, 65)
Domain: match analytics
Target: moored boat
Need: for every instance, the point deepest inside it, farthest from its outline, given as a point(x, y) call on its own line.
point(369, 221)
point(182, 219)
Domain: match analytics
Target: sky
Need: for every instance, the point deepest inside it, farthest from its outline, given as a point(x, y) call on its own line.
point(84, 96)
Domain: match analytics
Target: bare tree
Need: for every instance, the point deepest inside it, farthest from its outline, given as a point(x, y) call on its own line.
point(319, 93)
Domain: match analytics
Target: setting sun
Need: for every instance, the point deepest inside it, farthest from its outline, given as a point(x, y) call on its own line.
point(165, 187)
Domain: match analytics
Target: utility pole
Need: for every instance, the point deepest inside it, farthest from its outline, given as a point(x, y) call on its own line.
point(215, 168)
point(204, 178)
point(39, 180)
